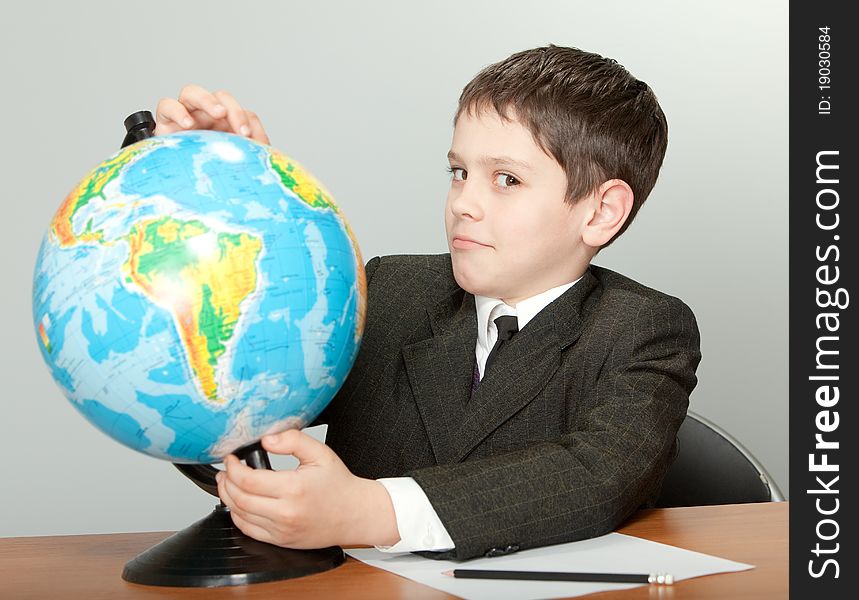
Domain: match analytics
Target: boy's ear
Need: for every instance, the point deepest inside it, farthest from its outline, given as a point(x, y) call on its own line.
point(611, 203)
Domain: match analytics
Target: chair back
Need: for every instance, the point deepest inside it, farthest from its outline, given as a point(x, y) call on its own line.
point(712, 467)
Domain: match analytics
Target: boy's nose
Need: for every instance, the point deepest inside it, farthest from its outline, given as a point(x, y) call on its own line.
point(467, 203)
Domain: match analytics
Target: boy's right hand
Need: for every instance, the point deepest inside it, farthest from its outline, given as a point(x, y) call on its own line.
point(198, 108)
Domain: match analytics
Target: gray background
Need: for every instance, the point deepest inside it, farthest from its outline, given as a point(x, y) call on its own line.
point(363, 95)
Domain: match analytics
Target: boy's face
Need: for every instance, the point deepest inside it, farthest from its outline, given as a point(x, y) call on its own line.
point(525, 238)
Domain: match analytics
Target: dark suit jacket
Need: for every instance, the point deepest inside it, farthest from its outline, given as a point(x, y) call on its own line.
point(571, 431)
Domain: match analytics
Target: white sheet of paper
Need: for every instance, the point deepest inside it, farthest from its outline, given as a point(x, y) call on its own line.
point(610, 553)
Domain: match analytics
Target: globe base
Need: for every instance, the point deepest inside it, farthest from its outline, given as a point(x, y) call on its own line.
point(213, 552)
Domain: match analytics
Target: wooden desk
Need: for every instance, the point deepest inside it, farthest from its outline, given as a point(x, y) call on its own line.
point(89, 566)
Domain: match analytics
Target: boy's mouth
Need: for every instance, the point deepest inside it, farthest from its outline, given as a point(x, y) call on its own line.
point(462, 242)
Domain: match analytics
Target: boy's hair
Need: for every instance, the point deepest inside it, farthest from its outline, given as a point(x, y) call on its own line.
point(588, 112)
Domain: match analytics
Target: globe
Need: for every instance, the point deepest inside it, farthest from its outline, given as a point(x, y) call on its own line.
point(196, 291)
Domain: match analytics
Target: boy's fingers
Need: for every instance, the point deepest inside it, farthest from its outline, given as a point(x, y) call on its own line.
point(171, 115)
point(228, 499)
point(257, 132)
point(235, 113)
point(305, 448)
point(260, 482)
point(163, 129)
point(195, 97)
point(197, 108)
point(250, 506)
point(251, 529)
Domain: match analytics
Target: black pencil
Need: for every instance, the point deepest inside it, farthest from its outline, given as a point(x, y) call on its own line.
point(663, 578)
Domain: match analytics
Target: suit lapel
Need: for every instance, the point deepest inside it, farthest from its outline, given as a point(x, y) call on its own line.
point(440, 368)
point(522, 368)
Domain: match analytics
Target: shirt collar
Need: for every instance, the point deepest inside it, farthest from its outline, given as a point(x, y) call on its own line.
point(525, 310)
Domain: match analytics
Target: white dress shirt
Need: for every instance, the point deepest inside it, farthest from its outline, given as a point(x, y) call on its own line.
point(417, 522)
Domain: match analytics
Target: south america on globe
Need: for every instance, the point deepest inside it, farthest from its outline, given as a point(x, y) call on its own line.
point(196, 291)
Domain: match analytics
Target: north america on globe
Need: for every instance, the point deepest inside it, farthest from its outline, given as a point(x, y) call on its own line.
point(197, 291)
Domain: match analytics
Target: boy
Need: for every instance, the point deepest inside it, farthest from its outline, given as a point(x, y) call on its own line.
point(508, 394)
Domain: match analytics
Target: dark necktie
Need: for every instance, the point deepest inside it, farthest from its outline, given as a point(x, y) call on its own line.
point(507, 326)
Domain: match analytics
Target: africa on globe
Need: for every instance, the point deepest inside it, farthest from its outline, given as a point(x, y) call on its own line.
point(196, 291)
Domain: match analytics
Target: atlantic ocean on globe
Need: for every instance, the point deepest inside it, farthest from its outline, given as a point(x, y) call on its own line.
point(197, 291)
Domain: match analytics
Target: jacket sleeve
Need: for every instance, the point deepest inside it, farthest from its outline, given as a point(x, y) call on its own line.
point(611, 459)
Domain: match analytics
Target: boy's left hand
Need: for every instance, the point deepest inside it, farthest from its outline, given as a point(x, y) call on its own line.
point(319, 504)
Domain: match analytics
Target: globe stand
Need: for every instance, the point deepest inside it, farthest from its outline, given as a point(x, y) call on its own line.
point(213, 552)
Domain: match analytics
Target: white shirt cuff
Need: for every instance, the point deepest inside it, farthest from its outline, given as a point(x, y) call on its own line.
point(418, 524)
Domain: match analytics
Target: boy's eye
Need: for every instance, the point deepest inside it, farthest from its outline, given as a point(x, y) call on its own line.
point(506, 180)
point(503, 179)
point(453, 171)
